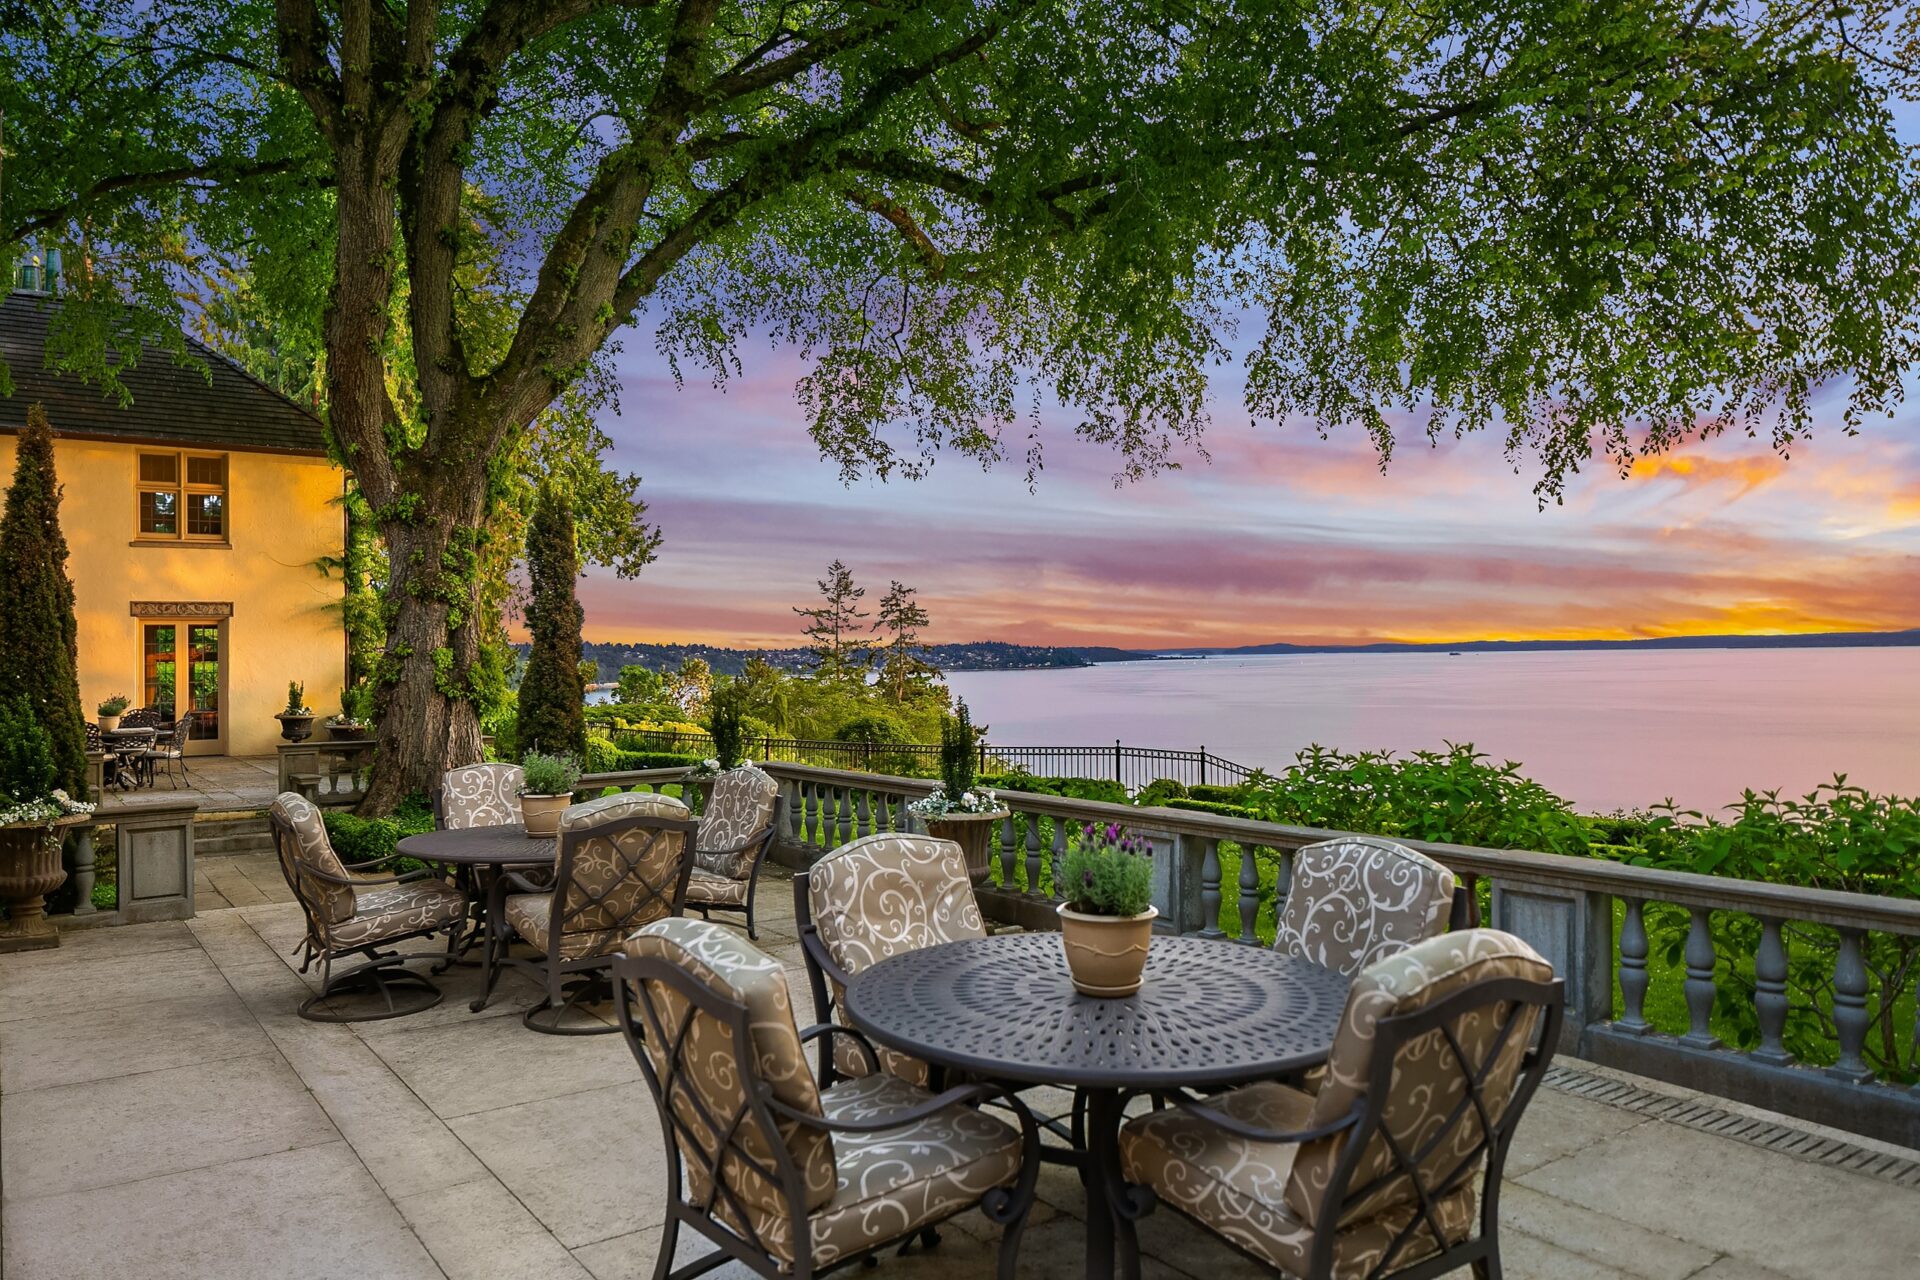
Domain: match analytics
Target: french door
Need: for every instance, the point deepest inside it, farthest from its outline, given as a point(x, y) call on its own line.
point(184, 670)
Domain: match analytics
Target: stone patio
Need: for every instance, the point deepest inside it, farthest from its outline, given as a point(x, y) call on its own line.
point(163, 1113)
point(224, 784)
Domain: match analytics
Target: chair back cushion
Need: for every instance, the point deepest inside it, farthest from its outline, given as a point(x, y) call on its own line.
point(885, 894)
point(741, 805)
point(1357, 899)
point(304, 846)
point(696, 1068)
point(481, 795)
point(1428, 1098)
point(618, 869)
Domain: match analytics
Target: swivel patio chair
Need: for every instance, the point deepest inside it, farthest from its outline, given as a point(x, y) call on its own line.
point(736, 830)
point(1357, 899)
point(359, 915)
point(869, 899)
point(1440, 1048)
point(170, 748)
point(623, 862)
point(784, 1176)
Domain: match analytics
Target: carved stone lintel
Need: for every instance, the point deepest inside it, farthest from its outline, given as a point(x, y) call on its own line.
point(180, 608)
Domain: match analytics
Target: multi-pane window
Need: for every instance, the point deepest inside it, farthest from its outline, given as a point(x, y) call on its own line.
point(183, 495)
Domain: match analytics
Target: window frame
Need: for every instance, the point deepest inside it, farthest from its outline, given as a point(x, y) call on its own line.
point(183, 490)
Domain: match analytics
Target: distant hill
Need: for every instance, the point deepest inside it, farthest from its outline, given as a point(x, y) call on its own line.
point(1816, 640)
point(978, 655)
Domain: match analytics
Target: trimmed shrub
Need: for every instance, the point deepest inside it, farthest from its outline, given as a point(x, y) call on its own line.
point(1103, 789)
point(1213, 807)
point(1159, 791)
point(552, 716)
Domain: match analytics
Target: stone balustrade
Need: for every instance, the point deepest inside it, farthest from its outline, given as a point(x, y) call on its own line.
point(329, 773)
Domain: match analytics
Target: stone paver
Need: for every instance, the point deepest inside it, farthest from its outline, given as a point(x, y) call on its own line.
point(163, 1113)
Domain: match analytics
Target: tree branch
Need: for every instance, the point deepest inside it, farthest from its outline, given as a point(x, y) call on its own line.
point(36, 220)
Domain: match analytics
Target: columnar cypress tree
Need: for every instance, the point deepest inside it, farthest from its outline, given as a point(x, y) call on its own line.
point(552, 693)
point(39, 637)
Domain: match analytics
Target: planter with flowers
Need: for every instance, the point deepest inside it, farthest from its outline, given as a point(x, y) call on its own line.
point(111, 710)
point(296, 722)
point(355, 720)
point(958, 810)
point(546, 789)
point(33, 813)
point(1106, 922)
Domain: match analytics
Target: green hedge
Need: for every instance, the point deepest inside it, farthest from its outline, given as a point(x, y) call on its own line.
point(627, 753)
point(1071, 788)
point(1214, 807)
point(1217, 794)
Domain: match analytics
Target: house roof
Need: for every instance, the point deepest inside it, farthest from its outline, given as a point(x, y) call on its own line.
point(211, 403)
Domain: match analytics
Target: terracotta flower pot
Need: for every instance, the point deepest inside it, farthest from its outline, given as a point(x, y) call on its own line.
point(29, 870)
point(109, 723)
point(973, 832)
point(1106, 954)
point(541, 815)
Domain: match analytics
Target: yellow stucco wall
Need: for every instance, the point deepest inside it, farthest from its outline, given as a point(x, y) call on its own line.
point(284, 626)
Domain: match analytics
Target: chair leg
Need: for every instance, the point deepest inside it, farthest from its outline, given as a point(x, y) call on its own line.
point(490, 965)
point(669, 1241)
point(562, 996)
point(1488, 1268)
point(384, 976)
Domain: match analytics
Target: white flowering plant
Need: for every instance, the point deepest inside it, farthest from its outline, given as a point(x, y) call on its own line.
point(44, 811)
point(712, 768)
point(938, 804)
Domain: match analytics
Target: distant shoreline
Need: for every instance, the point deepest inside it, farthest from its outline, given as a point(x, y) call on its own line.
point(1811, 640)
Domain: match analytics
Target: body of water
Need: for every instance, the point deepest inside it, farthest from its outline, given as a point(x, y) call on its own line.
point(1606, 729)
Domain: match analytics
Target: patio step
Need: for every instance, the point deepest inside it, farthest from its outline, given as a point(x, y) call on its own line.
point(230, 837)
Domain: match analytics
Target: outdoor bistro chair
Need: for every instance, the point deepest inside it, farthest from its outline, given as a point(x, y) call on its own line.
point(788, 1177)
point(869, 899)
point(358, 915)
point(623, 862)
point(1356, 899)
point(736, 830)
point(170, 748)
point(1439, 1050)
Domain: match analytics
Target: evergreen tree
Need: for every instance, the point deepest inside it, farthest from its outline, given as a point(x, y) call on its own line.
point(831, 627)
point(904, 664)
point(552, 693)
point(39, 636)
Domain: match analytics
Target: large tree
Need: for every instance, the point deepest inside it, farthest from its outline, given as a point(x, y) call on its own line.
point(1598, 227)
point(833, 626)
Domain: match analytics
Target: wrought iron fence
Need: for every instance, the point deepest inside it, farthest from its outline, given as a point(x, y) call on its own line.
point(1132, 767)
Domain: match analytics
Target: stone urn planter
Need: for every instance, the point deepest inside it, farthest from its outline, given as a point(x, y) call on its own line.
point(973, 832)
point(1106, 955)
point(349, 732)
point(295, 728)
point(541, 815)
point(30, 869)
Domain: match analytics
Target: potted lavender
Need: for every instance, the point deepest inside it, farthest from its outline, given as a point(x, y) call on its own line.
point(1106, 922)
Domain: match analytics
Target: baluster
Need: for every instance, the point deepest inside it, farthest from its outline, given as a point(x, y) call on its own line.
point(793, 833)
point(843, 830)
point(1770, 993)
point(1633, 969)
point(1850, 1008)
point(1210, 889)
point(1249, 893)
point(1005, 851)
point(813, 815)
point(1060, 827)
point(862, 815)
point(1033, 853)
point(1699, 984)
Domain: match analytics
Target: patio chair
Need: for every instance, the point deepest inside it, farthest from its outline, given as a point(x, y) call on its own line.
point(359, 915)
point(736, 830)
point(1357, 899)
point(623, 862)
point(1440, 1049)
point(169, 749)
point(869, 899)
point(478, 795)
point(144, 718)
point(783, 1175)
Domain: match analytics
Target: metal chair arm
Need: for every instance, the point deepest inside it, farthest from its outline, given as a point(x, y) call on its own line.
point(819, 1029)
point(1253, 1133)
point(957, 1096)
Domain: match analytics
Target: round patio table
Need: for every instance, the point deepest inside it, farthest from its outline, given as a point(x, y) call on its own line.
point(467, 849)
point(1209, 1014)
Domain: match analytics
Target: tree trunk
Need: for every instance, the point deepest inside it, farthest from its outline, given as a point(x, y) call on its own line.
point(429, 722)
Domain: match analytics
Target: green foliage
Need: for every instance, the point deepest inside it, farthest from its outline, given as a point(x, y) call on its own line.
point(1455, 796)
point(874, 729)
point(296, 700)
point(356, 703)
point(639, 687)
point(727, 725)
point(27, 769)
point(552, 694)
point(606, 756)
point(1108, 872)
point(1102, 789)
point(39, 637)
point(549, 775)
point(357, 839)
point(905, 665)
point(115, 705)
point(1159, 791)
point(1235, 794)
point(959, 751)
point(1213, 807)
point(834, 623)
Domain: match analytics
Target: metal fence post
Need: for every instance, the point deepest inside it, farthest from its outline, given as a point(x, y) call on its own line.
point(1203, 764)
point(1116, 763)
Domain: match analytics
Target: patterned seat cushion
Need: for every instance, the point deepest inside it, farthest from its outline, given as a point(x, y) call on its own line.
point(307, 851)
point(720, 891)
point(1238, 1186)
point(531, 915)
point(740, 808)
point(396, 910)
point(882, 895)
point(1355, 900)
point(481, 795)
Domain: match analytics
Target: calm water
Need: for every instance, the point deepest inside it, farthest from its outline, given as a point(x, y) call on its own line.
point(1606, 730)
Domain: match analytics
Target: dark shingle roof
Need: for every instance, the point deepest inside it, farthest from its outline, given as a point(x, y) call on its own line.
point(221, 407)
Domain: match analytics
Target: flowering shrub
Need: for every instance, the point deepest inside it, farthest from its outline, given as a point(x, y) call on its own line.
point(1108, 872)
point(938, 804)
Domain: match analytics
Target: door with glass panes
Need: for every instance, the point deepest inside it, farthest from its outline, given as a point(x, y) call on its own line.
point(183, 664)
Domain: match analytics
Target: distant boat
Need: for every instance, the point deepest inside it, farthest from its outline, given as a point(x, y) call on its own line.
point(1453, 653)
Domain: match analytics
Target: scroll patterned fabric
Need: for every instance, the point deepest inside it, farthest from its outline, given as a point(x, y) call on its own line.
point(609, 884)
point(741, 807)
point(331, 904)
point(398, 910)
point(481, 795)
point(719, 891)
point(1355, 900)
point(882, 895)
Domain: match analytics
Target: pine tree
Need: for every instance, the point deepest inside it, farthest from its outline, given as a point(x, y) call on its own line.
point(831, 627)
point(904, 666)
point(39, 636)
point(552, 693)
